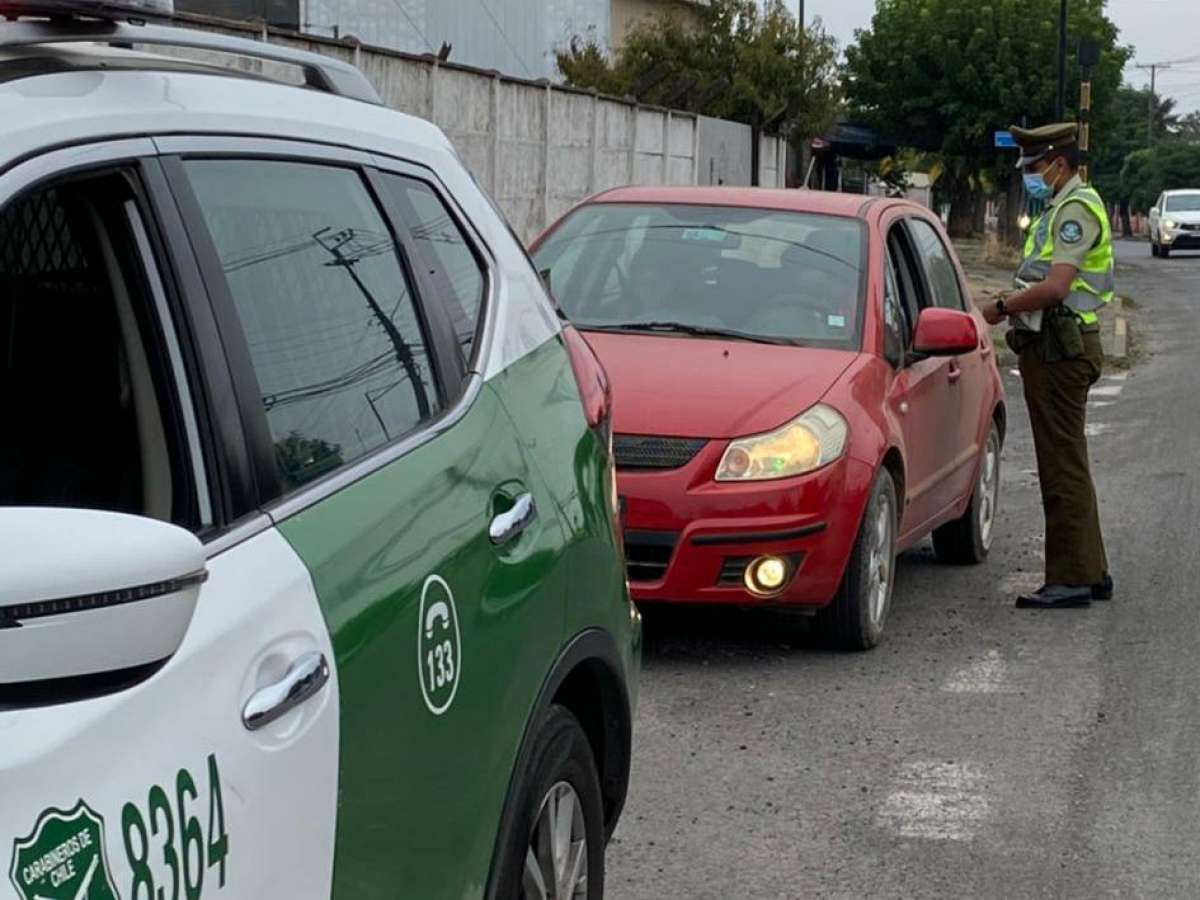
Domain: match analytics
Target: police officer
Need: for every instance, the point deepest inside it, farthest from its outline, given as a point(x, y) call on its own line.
point(1067, 275)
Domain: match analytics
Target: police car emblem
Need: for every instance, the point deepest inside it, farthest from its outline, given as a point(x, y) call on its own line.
point(63, 858)
point(1071, 232)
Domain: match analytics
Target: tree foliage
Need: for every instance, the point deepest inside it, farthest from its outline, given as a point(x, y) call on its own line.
point(301, 459)
point(1163, 167)
point(739, 61)
point(1187, 128)
point(1123, 129)
point(943, 75)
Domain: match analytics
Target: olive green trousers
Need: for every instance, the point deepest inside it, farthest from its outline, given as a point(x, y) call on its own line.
point(1056, 394)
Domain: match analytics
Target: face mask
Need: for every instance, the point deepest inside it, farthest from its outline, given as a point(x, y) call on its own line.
point(1037, 187)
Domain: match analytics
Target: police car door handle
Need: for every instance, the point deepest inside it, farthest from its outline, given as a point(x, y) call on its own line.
point(509, 525)
point(304, 679)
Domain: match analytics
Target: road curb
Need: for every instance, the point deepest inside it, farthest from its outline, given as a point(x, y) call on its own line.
point(1120, 339)
point(1115, 333)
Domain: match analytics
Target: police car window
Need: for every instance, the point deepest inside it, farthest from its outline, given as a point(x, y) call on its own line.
point(342, 362)
point(446, 251)
point(91, 414)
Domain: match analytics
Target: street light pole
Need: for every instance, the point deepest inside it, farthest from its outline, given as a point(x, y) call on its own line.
point(1061, 100)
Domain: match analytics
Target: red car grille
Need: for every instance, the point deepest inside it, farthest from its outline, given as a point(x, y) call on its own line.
point(635, 451)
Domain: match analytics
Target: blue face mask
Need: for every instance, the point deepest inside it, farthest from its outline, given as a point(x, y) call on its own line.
point(1036, 187)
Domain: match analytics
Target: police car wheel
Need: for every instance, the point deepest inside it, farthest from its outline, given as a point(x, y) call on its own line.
point(1164, 251)
point(855, 618)
point(1153, 246)
point(557, 847)
point(967, 540)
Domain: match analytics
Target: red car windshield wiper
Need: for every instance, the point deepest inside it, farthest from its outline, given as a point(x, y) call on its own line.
point(697, 330)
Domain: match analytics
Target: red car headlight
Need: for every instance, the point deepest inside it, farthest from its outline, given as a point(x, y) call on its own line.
point(805, 444)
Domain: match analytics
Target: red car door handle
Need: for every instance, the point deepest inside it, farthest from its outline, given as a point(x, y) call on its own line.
point(954, 373)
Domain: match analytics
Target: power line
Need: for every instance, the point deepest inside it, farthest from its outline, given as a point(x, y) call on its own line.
point(412, 22)
point(1153, 67)
point(500, 29)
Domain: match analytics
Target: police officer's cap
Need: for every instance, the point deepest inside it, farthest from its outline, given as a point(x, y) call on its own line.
point(1035, 143)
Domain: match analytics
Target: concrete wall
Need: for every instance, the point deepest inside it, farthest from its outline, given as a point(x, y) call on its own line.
point(516, 37)
point(536, 148)
point(724, 152)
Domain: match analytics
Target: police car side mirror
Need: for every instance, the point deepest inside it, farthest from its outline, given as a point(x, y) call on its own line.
point(945, 332)
point(85, 593)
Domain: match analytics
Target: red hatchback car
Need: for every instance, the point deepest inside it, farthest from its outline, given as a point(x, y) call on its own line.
point(802, 388)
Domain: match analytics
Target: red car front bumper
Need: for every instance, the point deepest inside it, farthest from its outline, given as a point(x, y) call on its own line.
point(689, 538)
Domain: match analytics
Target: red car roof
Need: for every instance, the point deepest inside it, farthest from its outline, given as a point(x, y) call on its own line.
point(792, 200)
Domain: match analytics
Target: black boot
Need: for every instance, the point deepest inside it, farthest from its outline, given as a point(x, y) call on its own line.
point(1057, 596)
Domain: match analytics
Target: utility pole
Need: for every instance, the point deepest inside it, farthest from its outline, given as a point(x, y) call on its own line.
point(1061, 98)
point(334, 244)
point(800, 13)
point(1153, 68)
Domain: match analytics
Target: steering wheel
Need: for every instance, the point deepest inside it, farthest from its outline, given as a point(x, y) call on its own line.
point(786, 314)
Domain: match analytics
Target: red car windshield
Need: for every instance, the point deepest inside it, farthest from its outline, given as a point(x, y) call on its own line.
point(709, 270)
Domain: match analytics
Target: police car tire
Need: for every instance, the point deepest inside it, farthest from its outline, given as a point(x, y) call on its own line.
point(1154, 246)
point(846, 623)
point(1164, 251)
point(960, 543)
point(561, 752)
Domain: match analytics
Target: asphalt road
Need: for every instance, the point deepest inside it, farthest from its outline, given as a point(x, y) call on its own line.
point(980, 751)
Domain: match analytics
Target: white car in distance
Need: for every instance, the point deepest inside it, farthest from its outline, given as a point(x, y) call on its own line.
point(1175, 222)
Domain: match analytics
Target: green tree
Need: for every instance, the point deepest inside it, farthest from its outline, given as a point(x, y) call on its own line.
point(1121, 131)
point(740, 61)
point(1149, 172)
point(943, 75)
point(1188, 127)
point(301, 459)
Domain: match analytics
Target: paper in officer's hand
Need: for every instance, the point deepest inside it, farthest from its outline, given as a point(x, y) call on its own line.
point(1026, 321)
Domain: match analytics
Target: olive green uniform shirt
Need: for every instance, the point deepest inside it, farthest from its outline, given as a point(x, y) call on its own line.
point(1076, 229)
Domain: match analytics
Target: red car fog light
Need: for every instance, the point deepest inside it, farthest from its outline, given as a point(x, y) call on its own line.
point(768, 575)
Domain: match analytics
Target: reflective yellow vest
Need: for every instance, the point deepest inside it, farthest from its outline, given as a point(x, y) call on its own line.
point(1094, 285)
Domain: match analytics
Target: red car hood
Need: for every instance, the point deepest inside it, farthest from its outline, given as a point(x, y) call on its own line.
point(700, 387)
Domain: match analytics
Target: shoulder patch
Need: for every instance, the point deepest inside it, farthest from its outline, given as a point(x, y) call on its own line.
point(1070, 232)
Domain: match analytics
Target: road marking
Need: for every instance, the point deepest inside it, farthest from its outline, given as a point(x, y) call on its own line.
point(936, 801)
point(1108, 390)
point(1099, 404)
point(1118, 376)
point(1097, 428)
point(984, 676)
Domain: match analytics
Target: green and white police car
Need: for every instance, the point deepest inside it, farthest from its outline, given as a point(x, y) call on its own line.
point(310, 576)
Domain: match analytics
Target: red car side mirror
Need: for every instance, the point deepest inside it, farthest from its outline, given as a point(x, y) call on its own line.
point(945, 332)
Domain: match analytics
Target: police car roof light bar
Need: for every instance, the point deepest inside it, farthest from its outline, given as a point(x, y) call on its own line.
point(321, 72)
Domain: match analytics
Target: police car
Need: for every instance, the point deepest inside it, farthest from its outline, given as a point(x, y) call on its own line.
point(311, 583)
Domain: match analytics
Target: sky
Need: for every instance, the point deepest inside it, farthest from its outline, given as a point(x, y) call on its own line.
point(1160, 30)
